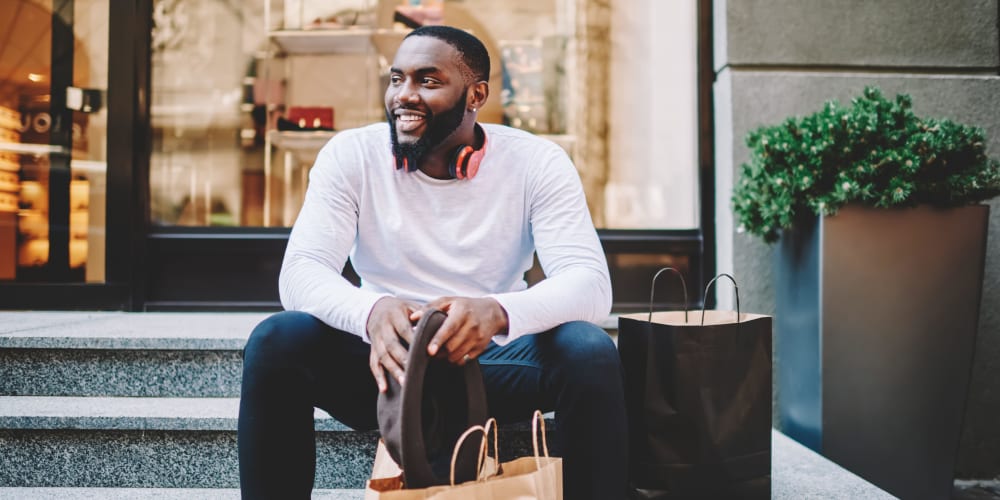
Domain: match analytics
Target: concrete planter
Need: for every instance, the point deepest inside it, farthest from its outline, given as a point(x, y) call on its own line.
point(875, 326)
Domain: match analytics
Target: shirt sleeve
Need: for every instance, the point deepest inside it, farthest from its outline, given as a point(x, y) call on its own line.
point(320, 243)
point(577, 286)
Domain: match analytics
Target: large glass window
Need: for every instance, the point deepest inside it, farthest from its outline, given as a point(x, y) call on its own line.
point(53, 146)
point(653, 117)
point(244, 94)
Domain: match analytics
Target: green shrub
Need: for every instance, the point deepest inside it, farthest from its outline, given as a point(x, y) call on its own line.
point(875, 153)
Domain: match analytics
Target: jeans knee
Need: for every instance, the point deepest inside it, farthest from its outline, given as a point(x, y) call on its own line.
point(275, 338)
point(589, 355)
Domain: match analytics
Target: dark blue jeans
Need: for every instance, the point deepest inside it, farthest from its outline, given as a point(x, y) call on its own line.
point(294, 362)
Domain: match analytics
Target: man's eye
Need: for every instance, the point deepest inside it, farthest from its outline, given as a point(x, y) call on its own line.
point(430, 81)
point(395, 79)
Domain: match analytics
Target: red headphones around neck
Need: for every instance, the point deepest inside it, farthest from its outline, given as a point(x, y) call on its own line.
point(464, 161)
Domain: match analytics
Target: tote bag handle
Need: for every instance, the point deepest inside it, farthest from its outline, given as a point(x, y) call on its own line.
point(652, 289)
point(736, 291)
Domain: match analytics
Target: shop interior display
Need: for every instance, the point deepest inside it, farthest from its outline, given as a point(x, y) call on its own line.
point(327, 66)
point(10, 186)
point(52, 147)
point(24, 193)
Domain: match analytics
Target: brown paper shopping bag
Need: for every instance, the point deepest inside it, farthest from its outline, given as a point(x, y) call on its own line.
point(536, 477)
point(386, 474)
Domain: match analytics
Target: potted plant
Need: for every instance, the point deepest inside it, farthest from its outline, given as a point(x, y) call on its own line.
point(878, 277)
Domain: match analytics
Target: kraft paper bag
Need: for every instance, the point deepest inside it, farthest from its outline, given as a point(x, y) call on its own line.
point(536, 477)
point(386, 474)
point(698, 397)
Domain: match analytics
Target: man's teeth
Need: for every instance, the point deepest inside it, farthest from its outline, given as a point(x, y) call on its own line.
point(409, 118)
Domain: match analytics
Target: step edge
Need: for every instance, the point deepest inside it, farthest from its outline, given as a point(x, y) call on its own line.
point(124, 343)
point(130, 413)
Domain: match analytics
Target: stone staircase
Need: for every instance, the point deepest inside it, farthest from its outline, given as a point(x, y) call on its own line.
point(102, 403)
point(144, 405)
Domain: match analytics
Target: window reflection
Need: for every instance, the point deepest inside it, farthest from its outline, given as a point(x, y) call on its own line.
point(246, 93)
point(52, 177)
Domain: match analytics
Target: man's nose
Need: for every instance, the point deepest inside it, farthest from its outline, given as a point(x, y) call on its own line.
point(408, 93)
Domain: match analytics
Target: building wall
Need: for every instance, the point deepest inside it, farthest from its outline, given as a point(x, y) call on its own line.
point(777, 58)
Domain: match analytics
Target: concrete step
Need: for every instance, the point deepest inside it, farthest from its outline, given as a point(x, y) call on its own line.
point(151, 443)
point(164, 443)
point(122, 354)
point(153, 494)
point(796, 473)
point(126, 354)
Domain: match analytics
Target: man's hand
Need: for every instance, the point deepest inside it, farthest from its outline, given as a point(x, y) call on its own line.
point(389, 321)
point(470, 326)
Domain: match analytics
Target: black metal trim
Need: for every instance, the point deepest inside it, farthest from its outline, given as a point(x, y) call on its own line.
point(215, 233)
point(216, 270)
point(65, 296)
point(129, 56)
point(57, 269)
point(195, 265)
point(706, 145)
point(649, 236)
point(678, 242)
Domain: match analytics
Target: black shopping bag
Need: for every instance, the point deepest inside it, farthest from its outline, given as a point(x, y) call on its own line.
point(698, 395)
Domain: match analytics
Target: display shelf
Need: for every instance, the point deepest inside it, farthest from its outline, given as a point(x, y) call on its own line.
point(31, 149)
point(333, 41)
point(287, 77)
point(300, 140)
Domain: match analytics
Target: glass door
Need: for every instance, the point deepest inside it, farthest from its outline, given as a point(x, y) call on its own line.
point(53, 140)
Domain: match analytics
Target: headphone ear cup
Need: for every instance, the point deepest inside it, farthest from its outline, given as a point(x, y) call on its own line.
point(473, 160)
point(458, 167)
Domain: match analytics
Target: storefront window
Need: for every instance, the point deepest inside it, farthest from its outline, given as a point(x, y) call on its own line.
point(652, 180)
point(202, 168)
point(53, 76)
point(245, 94)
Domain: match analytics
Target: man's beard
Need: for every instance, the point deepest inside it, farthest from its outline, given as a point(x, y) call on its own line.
point(439, 128)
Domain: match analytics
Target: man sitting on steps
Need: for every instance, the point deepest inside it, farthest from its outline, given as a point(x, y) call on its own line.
point(437, 211)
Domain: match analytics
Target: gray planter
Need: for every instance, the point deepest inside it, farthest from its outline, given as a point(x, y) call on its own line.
point(875, 326)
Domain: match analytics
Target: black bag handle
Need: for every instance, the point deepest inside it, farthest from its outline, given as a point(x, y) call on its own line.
point(736, 291)
point(652, 289)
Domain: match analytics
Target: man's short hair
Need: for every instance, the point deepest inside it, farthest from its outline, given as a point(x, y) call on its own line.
point(472, 51)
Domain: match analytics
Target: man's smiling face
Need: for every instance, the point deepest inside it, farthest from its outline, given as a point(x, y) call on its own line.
point(425, 101)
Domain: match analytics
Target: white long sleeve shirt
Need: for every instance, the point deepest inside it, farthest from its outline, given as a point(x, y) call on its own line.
point(418, 238)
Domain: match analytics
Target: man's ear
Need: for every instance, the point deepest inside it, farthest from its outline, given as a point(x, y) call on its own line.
point(478, 94)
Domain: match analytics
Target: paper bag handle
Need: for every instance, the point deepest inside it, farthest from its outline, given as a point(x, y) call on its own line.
point(652, 289)
point(458, 446)
point(736, 291)
point(538, 420)
point(484, 451)
point(491, 424)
